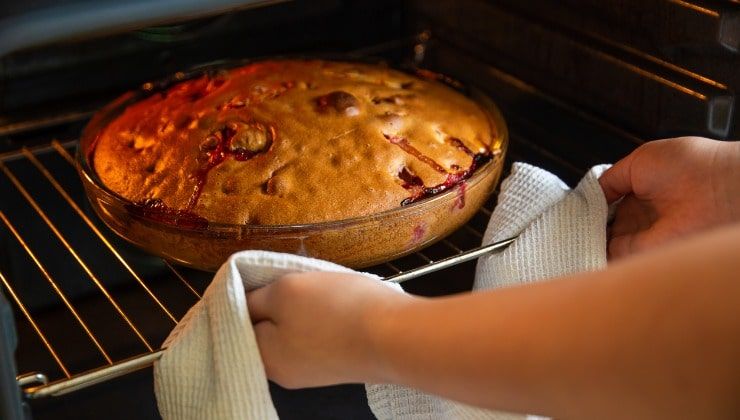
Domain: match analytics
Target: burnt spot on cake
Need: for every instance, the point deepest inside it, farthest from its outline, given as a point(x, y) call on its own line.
point(151, 168)
point(340, 101)
point(407, 85)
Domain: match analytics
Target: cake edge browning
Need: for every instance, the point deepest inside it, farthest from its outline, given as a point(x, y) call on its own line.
point(190, 216)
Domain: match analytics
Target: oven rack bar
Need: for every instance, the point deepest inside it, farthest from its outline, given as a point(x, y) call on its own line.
point(20, 166)
point(450, 261)
point(133, 364)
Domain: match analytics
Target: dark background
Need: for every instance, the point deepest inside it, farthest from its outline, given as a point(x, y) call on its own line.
point(580, 82)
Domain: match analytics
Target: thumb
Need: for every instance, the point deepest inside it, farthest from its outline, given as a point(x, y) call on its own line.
point(632, 243)
point(616, 181)
point(258, 305)
point(266, 334)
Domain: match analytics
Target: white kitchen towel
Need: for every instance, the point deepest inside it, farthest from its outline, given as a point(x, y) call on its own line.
point(561, 231)
point(211, 368)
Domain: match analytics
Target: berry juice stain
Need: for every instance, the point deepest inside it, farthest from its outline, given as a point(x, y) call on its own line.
point(240, 140)
point(415, 185)
point(418, 233)
point(408, 148)
point(155, 209)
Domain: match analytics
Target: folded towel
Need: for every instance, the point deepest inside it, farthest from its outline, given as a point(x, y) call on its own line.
point(212, 368)
point(560, 232)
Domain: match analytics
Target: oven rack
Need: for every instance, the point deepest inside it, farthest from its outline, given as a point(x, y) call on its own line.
point(457, 248)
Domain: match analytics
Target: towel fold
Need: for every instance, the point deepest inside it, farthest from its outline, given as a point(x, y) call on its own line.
point(212, 367)
point(561, 231)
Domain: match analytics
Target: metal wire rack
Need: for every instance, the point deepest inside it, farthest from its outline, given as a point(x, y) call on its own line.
point(85, 254)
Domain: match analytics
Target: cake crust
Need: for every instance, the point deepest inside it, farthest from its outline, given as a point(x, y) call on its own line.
point(292, 142)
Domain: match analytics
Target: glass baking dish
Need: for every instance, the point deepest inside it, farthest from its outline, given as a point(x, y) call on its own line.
point(355, 242)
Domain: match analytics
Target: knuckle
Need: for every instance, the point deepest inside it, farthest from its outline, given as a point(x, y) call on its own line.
point(288, 284)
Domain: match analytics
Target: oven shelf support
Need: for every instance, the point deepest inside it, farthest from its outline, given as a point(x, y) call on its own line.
point(124, 367)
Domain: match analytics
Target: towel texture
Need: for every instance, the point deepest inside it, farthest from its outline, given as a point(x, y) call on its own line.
point(560, 232)
point(212, 368)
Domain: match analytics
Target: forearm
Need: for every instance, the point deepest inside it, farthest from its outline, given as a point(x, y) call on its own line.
point(625, 341)
point(727, 179)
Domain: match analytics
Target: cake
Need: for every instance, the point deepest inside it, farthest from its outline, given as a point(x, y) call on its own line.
point(291, 142)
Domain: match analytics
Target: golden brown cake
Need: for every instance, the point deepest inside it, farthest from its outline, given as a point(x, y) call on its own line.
point(325, 159)
point(292, 142)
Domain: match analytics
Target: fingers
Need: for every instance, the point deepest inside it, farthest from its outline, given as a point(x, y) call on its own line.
point(258, 305)
point(621, 246)
point(282, 366)
point(274, 362)
point(265, 332)
point(616, 182)
point(656, 235)
point(632, 215)
point(633, 227)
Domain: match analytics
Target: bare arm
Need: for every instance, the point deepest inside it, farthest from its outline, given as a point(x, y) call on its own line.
point(655, 336)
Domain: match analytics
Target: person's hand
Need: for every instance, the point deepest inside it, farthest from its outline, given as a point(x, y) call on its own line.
point(317, 329)
point(671, 188)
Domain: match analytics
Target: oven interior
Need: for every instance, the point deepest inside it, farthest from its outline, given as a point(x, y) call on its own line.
point(580, 82)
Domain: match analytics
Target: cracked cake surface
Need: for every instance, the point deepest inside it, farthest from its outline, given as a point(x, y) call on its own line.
point(292, 142)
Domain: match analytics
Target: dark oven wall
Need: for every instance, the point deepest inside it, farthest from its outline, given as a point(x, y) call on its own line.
point(579, 83)
point(64, 81)
point(645, 69)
